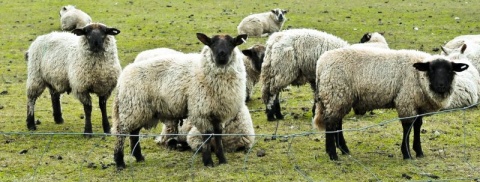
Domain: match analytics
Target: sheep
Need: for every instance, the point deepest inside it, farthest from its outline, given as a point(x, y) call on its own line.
point(262, 24)
point(457, 42)
point(72, 18)
point(144, 55)
point(467, 88)
point(374, 39)
point(241, 127)
point(253, 60)
point(472, 53)
point(290, 58)
point(209, 89)
point(412, 82)
point(82, 62)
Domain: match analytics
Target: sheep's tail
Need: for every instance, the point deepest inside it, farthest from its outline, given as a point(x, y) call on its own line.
point(318, 122)
point(115, 118)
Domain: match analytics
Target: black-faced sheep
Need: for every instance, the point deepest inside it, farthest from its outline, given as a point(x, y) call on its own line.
point(81, 62)
point(290, 58)
point(208, 89)
point(253, 65)
point(412, 82)
point(262, 24)
point(72, 18)
point(374, 39)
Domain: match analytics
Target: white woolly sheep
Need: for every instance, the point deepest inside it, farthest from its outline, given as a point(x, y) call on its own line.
point(290, 58)
point(472, 52)
point(412, 82)
point(144, 55)
point(82, 62)
point(72, 18)
point(241, 127)
point(457, 42)
point(467, 85)
point(374, 39)
point(253, 60)
point(209, 89)
point(262, 24)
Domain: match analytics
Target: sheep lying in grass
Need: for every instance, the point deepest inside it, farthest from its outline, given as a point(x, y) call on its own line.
point(472, 52)
point(241, 128)
point(467, 85)
point(290, 58)
point(82, 62)
point(374, 39)
point(253, 65)
point(72, 18)
point(145, 55)
point(262, 24)
point(209, 89)
point(457, 42)
point(412, 82)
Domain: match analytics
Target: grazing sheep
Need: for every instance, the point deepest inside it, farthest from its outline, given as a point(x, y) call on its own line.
point(82, 62)
point(253, 60)
point(374, 39)
point(72, 18)
point(144, 55)
point(412, 82)
point(262, 24)
point(209, 89)
point(290, 58)
point(241, 128)
point(467, 85)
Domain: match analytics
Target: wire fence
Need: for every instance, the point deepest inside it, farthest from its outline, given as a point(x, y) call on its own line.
point(471, 158)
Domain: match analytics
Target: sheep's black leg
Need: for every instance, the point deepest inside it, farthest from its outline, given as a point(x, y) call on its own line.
point(207, 150)
point(118, 153)
point(135, 145)
point(31, 113)
point(102, 101)
point(314, 88)
point(247, 96)
point(406, 139)
point(417, 145)
point(270, 109)
point(217, 130)
point(88, 120)
point(340, 140)
point(277, 109)
point(330, 141)
point(57, 109)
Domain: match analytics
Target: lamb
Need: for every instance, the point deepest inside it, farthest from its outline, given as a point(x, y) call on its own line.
point(262, 24)
point(385, 79)
point(241, 126)
point(374, 39)
point(467, 85)
point(209, 89)
point(72, 18)
point(82, 62)
point(253, 60)
point(290, 58)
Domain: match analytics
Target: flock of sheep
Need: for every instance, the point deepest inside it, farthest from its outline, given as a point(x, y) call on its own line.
point(203, 94)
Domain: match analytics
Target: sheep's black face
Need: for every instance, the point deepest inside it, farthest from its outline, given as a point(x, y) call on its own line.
point(256, 54)
point(440, 74)
point(279, 14)
point(96, 35)
point(366, 37)
point(222, 46)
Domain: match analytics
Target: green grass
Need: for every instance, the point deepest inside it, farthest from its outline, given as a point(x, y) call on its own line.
point(450, 140)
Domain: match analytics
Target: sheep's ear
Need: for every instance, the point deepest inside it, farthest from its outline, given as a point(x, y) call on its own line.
point(240, 39)
point(112, 31)
point(464, 47)
point(64, 8)
point(285, 11)
point(273, 11)
point(382, 33)
point(422, 66)
point(78, 31)
point(447, 51)
point(204, 39)
point(247, 52)
point(459, 67)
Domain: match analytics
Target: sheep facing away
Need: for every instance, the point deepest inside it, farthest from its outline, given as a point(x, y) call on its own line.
point(467, 85)
point(72, 18)
point(209, 89)
point(240, 128)
point(253, 65)
point(262, 24)
point(290, 58)
point(145, 55)
point(82, 62)
point(374, 39)
point(412, 82)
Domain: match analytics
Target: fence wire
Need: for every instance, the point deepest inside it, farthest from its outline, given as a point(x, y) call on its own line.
point(291, 154)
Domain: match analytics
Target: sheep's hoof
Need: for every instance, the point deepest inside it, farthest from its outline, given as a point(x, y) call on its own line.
point(87, 135)
point(271, 118)
point(32, 128)
point(120, 167)
point(333, 157)
point(280, 117)
point(59, 121)
point(420, 155)
point(140, 159)
point(407, 157)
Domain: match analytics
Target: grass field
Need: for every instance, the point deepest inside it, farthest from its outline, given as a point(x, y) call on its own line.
point(59, 152)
